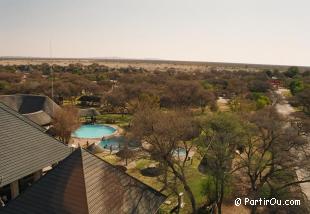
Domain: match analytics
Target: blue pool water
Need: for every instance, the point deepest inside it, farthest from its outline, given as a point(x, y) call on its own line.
point(180, 151)
point(93, 131)
point(116, 143)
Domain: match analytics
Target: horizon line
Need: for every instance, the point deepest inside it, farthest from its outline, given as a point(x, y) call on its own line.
point(115, 58)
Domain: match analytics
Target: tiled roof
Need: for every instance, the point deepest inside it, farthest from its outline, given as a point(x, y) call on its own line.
point(24, 147)
point(85, 184)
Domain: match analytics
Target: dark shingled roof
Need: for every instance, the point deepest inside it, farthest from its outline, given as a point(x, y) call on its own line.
point(39, 109)
point(82, 184)
point(24, 147)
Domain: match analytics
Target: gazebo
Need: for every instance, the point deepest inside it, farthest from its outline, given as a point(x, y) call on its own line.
point(89, 114)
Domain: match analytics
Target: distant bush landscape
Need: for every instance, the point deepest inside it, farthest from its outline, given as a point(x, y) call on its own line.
point(225, 119)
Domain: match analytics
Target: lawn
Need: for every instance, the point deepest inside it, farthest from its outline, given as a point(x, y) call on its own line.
point(195, 180)
point(117, 119)
point(112, 159)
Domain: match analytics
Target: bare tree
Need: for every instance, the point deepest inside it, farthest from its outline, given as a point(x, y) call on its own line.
point(163, 133)
point(66, 120)
point(272, 153)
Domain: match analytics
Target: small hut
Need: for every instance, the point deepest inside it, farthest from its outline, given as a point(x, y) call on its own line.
point(95, 149)
point(89, 114)
point(125, 154)
point(88, 100)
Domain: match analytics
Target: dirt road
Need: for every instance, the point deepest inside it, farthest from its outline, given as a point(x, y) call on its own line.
point(285, 109)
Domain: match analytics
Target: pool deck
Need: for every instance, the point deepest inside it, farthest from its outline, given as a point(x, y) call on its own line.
point(84, 142)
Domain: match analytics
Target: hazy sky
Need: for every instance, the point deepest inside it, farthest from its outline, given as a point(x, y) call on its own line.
point(252, 31)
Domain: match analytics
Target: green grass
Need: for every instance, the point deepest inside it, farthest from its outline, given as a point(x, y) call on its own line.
point(143, 163)
point(112, 159)
point(195, 180)
point(118, 119)
point(194, 177)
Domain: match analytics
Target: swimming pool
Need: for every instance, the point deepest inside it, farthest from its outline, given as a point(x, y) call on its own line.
point(179, 152)
point(93, 131)
point(116, 143)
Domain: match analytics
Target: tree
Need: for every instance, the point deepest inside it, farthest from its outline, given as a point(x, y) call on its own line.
point(3, 85)
point(292, 72)
point(66, 121)
point(269, 73)
point(144, 101)
point(236, 87)
point(125, 153)
point(296, 86)
point(180, 93)
point(261, 100)
point(46, 69)
point(261, 86)
point(241, 105)
point(271, 154)
point(117, 100)
point(222, 135)
point(303, 99)
point(301, 122)
point(164, 133)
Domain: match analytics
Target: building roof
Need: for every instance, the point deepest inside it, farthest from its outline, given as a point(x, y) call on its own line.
point(39, 109)
point(88, 112)
point(24, 147)
point(39, 117)
point(85, 184)
point(87, 98)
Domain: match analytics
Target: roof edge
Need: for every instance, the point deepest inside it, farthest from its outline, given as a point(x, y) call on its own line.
point(136, 179)
point(30, 122)
point(82, 162)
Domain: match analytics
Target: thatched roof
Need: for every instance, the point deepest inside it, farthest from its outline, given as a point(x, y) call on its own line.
point(94, 149)
point(87, 98)
point(126, 153)
point(39, 117)
point(39, 109)
point(89, 112)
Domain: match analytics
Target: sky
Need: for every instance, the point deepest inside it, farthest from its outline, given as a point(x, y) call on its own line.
point(244, 31)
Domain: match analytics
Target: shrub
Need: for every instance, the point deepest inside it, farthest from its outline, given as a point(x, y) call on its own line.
point(110, 121)
point(261, 100)
point(296, 86)
point(291, 72)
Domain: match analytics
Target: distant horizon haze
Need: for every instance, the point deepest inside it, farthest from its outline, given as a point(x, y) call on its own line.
point(142, 59)
point(264, 32)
